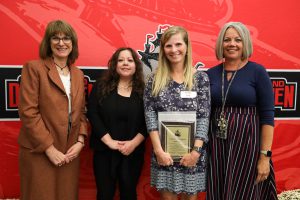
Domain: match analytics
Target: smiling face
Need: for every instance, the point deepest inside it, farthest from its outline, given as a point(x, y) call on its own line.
point(232, 45)
point(61, 46)
point(175, 49)
point(125, 65)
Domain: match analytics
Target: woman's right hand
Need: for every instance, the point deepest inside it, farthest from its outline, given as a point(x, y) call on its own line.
point(111, 143)
point(55, 156)
point(163, 158)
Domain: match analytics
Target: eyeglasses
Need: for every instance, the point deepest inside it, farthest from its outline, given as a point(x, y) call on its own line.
point(56, 40)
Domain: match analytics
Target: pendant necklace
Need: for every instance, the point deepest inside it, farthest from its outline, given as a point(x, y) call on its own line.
point(61, 68)
point(222, 122)
point(61, 71)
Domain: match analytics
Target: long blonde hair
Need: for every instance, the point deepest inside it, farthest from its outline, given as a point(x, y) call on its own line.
point(162, 74)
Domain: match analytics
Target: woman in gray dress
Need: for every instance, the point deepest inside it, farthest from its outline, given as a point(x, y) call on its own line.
point(168, 90)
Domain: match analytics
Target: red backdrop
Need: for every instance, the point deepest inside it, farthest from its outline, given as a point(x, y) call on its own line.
point(104, 25)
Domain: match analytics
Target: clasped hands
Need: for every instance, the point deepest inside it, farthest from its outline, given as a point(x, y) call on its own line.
point(59, 159)
point(125, 147)
point(188, 160)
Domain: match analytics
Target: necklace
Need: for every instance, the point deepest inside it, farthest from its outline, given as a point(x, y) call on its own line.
point(222, 121)
point(126, 88)
point(61, 68)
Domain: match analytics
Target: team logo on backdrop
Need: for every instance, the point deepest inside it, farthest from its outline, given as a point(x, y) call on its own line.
point(285, 94)
point(285, 87)
point(12, 87)
point(149, 56)
point(10, 78)
point(88, 84)
point(12, 91)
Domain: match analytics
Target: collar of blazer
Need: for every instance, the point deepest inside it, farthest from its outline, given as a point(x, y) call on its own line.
point(54, 76)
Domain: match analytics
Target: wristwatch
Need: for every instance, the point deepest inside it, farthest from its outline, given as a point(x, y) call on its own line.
point(198, 149)
point(267, 153)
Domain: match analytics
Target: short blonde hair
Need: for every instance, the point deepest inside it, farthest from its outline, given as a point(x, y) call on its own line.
point(244, 34)
point(162, 74)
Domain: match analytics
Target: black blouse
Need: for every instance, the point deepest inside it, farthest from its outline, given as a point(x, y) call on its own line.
point(121, 117)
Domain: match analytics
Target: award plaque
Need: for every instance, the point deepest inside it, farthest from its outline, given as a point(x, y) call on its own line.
point(177, 131)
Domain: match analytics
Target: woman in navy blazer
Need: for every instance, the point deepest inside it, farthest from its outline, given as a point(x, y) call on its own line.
point(115, 111)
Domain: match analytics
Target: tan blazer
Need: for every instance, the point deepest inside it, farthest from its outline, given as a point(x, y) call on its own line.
point(43, 110)
point(43, 107)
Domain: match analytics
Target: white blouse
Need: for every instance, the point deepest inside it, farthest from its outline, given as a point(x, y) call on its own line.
point(66, 80)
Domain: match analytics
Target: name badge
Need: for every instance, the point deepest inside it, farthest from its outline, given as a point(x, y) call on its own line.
point(188, 94)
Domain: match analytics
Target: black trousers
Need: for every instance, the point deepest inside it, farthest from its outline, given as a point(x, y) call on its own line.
point(112, 168)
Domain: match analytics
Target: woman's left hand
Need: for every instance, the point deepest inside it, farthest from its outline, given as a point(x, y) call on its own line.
point(263, 169)
point(74, 151)
point(126, 147)
point(190, 159)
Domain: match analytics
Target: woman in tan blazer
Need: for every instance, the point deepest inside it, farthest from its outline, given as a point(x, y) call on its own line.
point(52, 112)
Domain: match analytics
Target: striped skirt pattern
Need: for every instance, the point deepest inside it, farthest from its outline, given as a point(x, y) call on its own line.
point(232, 162)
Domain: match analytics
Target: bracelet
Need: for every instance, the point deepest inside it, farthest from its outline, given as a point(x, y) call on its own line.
point(80, 142)
point(198, 149)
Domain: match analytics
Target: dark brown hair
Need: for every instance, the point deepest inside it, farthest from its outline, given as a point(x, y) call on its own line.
point(110, 79)
point(56, 27)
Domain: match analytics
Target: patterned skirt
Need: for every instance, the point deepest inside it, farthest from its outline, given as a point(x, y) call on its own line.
point(179, 179)
point(232, 162)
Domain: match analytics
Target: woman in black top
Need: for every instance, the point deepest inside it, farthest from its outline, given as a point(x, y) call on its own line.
point(115, 111)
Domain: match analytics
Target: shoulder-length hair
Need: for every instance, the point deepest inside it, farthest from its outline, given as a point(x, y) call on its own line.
point(162, 74)
point(56, 27)
point(244, 34)
point(110, 79)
